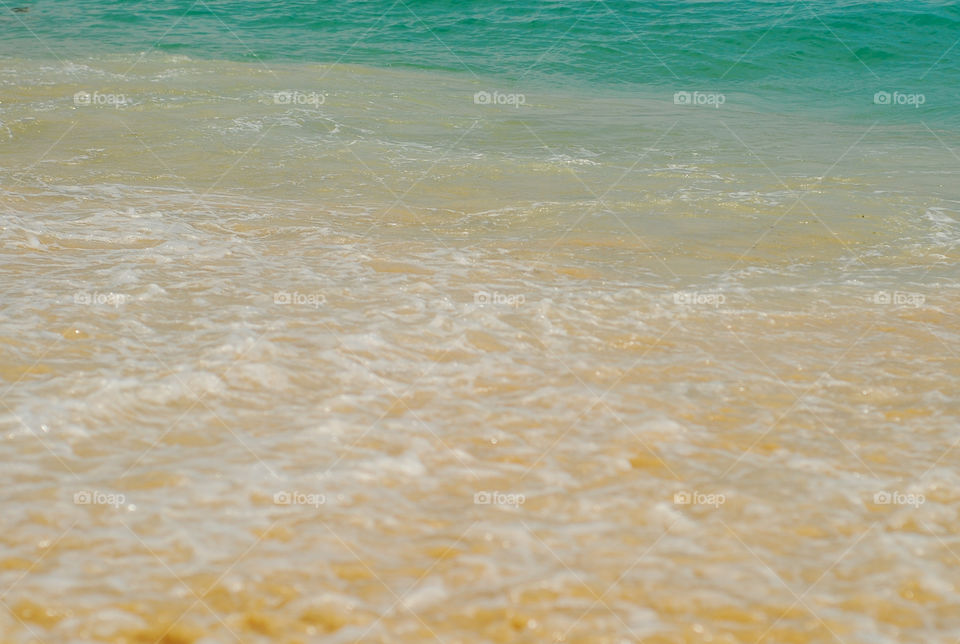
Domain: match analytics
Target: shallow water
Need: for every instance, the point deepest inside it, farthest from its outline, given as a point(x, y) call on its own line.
point(827, 56)
point(397, 366)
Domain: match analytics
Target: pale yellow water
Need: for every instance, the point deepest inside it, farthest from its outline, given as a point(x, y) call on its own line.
point(395, 306)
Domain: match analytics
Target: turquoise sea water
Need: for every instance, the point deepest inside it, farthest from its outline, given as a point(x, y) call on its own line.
point(833, 55)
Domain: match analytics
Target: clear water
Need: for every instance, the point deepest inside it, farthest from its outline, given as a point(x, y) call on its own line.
point(485, 350)
point(830, 56)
